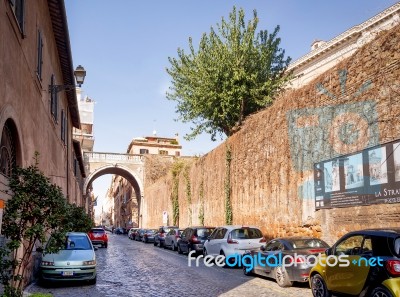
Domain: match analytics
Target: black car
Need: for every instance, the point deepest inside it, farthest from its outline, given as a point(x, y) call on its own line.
point(193, 238)
point(294, 251)
point(159, 238)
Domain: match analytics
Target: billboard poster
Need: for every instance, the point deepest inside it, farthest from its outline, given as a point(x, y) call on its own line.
point(368, 177)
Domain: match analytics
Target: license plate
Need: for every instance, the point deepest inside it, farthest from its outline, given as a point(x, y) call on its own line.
point(67, 273)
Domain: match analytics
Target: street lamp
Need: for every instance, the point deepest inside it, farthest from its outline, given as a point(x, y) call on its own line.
point(79, 74)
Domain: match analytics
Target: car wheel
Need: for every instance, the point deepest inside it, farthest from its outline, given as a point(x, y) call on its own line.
point(318, 286)
point(179, 249)
point(173, 246)
point(93, 281)
point(205, 252)
point(221, 253)
point(106, 244)
point(282, 277)
point(380, 292)
point(155, 243)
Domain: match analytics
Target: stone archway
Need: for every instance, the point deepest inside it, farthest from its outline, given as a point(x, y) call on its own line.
point(129, 175)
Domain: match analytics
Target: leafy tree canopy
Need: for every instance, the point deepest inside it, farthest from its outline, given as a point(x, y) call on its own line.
point(234, 73)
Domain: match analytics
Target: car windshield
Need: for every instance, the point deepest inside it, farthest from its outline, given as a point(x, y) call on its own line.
point(97, 231)
point(308, 243)
point(77, 242)
point(246, 233)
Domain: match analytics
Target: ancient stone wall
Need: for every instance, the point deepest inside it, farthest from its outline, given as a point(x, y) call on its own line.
point(271, 178)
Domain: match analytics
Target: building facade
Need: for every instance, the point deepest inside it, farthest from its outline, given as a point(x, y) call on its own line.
point(35, 115)
point(155, 145)
point(326, 54)
point(84, 137)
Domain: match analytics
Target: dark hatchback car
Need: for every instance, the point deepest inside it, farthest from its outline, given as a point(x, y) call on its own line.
point(372, 270)
point(148, 235)
point(193, 238)
point(297, 249)
point(159, 238)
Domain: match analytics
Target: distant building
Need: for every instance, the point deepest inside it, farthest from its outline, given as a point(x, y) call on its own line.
point(326, 54)
point(84, 138)
point(86, 112)
point(155, 145)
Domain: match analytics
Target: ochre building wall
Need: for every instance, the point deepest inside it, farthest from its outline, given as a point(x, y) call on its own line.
point(272, 184)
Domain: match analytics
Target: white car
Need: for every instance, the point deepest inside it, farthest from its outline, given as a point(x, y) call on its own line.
point(75, 261)
point(233, 239)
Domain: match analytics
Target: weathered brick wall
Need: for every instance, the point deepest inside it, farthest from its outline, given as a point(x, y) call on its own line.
point(271, 184)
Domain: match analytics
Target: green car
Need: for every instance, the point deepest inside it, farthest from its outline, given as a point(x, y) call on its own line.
point(76, 261)
point(361, 263)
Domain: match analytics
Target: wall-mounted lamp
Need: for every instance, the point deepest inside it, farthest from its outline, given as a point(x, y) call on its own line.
point(79, 73)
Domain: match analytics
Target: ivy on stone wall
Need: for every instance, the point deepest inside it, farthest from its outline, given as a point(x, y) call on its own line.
point(228, 204)
point(176, 170)
point(201, 194)
point(188, 192)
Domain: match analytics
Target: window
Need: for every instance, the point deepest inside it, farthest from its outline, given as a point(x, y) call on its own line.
point(18, 7)
point(39, 56)
point(53, 100)
point(144, 151)
point(177, 154)
point(349, 246)
point(163, 152)
point(63, 126)
point(7, 149)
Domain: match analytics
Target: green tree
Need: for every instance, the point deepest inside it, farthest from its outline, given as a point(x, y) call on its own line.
point(234, 73)
point(36, 210)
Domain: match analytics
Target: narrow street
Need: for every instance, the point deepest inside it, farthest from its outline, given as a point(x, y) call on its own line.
point(130, 268)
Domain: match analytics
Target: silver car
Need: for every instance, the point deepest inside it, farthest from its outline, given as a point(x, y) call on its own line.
point(75, 261)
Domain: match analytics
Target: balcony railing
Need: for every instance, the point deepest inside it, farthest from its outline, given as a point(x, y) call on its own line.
point(112, 157)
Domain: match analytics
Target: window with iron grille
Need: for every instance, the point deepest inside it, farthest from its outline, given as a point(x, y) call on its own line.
point(18, 7)
point(53, 100)
point(39, 58)
point(144, 151)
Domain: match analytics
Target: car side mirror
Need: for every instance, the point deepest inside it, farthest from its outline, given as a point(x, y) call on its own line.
point(39, 249)
point(262, 248)
point(328, 251)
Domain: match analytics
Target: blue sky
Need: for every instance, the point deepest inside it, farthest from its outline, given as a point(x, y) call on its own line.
point(125, 47)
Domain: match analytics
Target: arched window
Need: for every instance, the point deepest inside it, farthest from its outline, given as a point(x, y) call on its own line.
point(7, 149)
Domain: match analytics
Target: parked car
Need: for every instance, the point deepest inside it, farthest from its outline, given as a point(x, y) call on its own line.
point(148, 235)
point(75, 261)
point(139, 234)
point(294, 251)
point(160, 236)
point(172, 238)
point(373, 267)
point(233, 239)
point(98, 236)
point(193, 238)
point(131, 233)
point(119, 231)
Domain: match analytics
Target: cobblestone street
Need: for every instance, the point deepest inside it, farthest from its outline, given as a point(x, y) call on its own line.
point(130, 268)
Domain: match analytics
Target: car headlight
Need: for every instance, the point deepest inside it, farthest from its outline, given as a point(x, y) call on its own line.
point(47, 263)
point(91, 262)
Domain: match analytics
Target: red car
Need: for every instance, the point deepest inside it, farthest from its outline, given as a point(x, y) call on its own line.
point(98, 236)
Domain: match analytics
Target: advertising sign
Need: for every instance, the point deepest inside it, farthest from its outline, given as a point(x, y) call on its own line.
point(368, 177)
